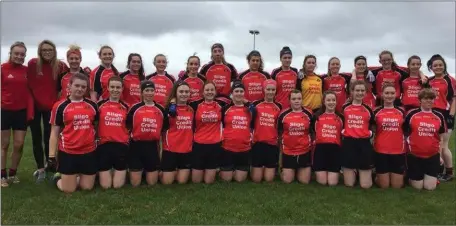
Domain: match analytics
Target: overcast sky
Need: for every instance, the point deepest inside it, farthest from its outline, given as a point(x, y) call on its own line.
point(179, 29)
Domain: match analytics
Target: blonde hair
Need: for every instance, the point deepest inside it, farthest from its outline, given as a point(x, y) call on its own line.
point(17, 44)
point(55, 63)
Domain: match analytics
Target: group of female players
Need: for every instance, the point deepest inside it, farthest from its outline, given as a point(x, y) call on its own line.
point(107, 123)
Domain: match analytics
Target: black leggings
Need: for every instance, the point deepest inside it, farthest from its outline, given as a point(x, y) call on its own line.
point(38, 139)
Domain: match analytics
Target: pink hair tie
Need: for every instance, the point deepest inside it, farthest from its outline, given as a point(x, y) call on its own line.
point(76, 51)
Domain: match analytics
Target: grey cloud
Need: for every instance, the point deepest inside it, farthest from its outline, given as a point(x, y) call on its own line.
point(19, 19)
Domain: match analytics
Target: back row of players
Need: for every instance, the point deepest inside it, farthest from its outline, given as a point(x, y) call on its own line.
point(208, 93)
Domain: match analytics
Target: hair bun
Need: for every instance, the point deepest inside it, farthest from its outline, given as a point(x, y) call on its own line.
point(286, 48)
point(74, 47)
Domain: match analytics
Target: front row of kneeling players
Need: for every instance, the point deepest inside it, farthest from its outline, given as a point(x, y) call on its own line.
point(201, 136)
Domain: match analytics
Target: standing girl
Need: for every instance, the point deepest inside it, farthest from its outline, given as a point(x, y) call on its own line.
point(294, 133)
point(162, 80)
point(74, 59)
point(412, 84)
point(253, 78)
point(285, 76)
point(339, 83)
point(361, 72)
point(327, 125)
point(132, 80)
point(193, 78)
point(310, 84)
point(100, 76)
point(145, 122)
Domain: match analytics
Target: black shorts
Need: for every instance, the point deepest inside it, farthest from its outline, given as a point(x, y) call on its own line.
point(112, 155)
point(143, 155)
point(15, 120)
point(389, 163)
point(326, 157)
point(230, 161)
point(172, 161)
point(446, 115)
point(357, 153)
point(296, 161)
point(205, 156)
point(418, 167)
point(265, 155)
point(70, 164)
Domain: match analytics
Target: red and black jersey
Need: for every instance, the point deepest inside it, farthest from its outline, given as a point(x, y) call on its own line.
point(253, 83)
point(445, 91)
point(389, 135)
point(145, 122)
point(163, 86)
point(423, 129)
point(294, 130)
point(99, 78)
point(327, 128)
point(265, 122)
point(63, 83)
point(77, 120)
point(388, 76)
point(221, 74)
point(131, 93)
point(286, 82)
point(340, 85)
point(112, 123)
point(196, 86)
point(15, 91)
point(208, 121)
point(179, 130)
point(369, 99)
point(236, 128)
point(43, 85)
point(411, 86)
point(357, 120)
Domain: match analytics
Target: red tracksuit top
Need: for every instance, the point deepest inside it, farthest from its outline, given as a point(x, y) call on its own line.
point(253, 83)
point(286, 82)
point(389, 135)
point(423, 131)
point(163, 86)
point(178, 135)
point(294, 129)
point(222, 75)
point(196, 86)
point(265, 122)
point(357, 120)
point(208, 121)
point(77, 121)
point(145, 122)
point(14, 86)
point(42, 85)
point(327, 128)
point(131, 93)
point(112, 124)
point(236, 128)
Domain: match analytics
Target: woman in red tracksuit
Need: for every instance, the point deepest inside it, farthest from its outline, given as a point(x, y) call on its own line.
point(285, 76)
point(253, 78)
point(113, 137)
point(74, 61)
point(339, 83)
point(16, 109)
point(132, 78)
point(177, 138)
point(42, 78)
point(73, 137)
point(220, 72)
point(163, 81)
point(236, 144)
point(193, 78)
point(293, 127)
point(99, 77)
point(207, 136)
point(265, 151)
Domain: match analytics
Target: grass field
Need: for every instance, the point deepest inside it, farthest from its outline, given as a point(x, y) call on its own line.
point(224, 203)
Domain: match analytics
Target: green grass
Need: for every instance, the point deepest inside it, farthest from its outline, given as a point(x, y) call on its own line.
point(224, 203)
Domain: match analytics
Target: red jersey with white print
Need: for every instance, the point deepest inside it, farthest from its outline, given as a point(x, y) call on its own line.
point(221, 74)
point(236, 128)
point(387, 76)
point(423, 129)
point(208, 121)
point(265, 122)
point(112, 124)
point(253, 83)
point(369, 99)
point(145, 122)
point(196, 86)
point(411, 86)
point(15, 91)
point(99, 78)
point(163, 86)
point(389, 136)
point(76, 120)
point(179, 130)
point(294, 129)
point(63, 83)
point(445, 91)
point(286, 82)
point(357, 120)
point(339, 84)
point(327, 128)
point(131, 93)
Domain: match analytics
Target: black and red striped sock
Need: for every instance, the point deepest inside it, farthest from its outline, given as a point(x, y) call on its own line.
point(449, 171)
point(12, 172)
point(4, 175)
